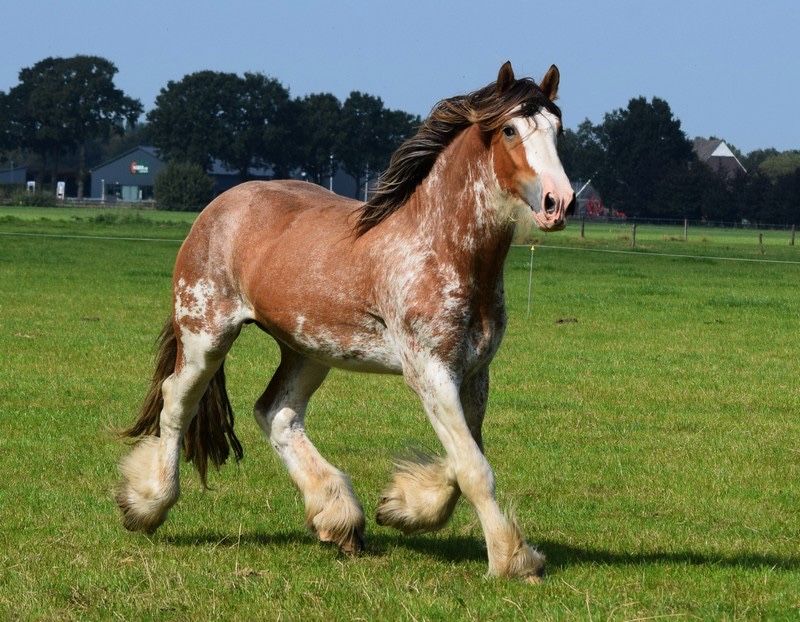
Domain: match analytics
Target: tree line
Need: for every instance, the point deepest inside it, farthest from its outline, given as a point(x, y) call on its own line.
point(68, 111)
point(643, 165)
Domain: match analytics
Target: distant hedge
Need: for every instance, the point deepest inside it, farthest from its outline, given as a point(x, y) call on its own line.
point(183, 187)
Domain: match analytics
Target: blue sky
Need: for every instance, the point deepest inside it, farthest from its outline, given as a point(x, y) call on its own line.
point(730, 69)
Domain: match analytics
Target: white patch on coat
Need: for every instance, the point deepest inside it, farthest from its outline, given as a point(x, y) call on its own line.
point(192, 301)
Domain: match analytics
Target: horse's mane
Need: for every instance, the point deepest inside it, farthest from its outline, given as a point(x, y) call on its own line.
point(414, 159)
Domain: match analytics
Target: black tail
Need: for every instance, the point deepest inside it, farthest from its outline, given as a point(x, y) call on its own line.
point(210, 434)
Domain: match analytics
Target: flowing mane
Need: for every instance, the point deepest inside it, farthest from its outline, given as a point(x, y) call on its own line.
point(413, 160)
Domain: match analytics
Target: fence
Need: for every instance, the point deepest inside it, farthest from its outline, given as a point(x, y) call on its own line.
point(686, 224)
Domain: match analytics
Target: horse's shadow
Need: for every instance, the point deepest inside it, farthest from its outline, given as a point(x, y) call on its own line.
point(456, 548)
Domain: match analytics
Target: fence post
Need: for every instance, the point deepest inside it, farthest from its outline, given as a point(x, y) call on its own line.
point(761, 242)
point(685, 229)
point(633, 236)
point(583, 223)
point(791, 243)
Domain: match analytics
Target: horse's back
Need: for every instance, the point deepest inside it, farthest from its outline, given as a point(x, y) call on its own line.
point(271, 207)
point(287, 252)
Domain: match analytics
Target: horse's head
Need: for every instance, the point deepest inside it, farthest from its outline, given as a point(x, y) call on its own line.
point(523, 146)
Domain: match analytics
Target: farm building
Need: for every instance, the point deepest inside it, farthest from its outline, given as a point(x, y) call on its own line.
point(588, 203)
point(16, 176)
point(715, 154)
point(130, 177)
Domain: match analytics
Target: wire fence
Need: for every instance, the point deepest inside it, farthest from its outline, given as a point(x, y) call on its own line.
point(711, 224)
point(682, 229)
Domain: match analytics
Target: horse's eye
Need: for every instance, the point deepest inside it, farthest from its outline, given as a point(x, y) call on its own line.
point(509, 131)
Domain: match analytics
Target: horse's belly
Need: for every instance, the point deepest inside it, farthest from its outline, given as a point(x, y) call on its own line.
point(363, 351)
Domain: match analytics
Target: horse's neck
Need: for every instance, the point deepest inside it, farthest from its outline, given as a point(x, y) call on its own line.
point(456, 210)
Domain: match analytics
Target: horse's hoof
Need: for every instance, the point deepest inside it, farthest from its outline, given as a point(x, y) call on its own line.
point(137, 516)
point(350, 544)
point(353, 546)
point(533, 579)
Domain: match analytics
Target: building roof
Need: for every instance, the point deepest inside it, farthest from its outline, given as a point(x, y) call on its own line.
point(151, 151)
point(217, 167)
point(716, 154)
point(587, 190)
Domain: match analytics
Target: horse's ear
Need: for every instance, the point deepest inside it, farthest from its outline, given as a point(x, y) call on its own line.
point(505, 78)
point(549, 83)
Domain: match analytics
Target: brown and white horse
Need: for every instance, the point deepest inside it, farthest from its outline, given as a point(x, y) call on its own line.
point(409, 283)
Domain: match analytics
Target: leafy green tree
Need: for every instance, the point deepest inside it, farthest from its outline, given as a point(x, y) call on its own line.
point(211, 115)
point(581, 152)
point(361, 119)
point(61, 104)
point(6, 139)
point(183, 187)
point(643, 144)
point(753, 159)
point(370, 134)
point(395, 127)
point(780, 164)
point(783, 206)
point(191, 119)
point(284, 139)
point(260, 126)
point(320, 133)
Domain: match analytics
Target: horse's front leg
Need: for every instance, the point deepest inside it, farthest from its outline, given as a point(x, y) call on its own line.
point(439, 390)
point(423, 491)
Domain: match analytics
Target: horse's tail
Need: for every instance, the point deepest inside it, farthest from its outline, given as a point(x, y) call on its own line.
point(210, 434)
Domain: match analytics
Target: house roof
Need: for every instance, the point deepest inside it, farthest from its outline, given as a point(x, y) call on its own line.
point(587, 192)
point(151, 151)
point(716, 154)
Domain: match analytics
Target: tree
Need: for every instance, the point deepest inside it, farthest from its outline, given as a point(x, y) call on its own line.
point(189, 120)
point(60, 104)
point(320, 133)
point(259, 128)
point(6, 140)
point(211, 115)
point(183, 186)
point(395, 127)
point(780, 164)
point(283, 143)
point(361, 117)
point(581, 152)
point(370, 134)
point(643, 144)
point(753, 159)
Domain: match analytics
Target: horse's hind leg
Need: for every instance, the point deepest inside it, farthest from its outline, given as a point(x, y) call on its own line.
point(423, 491)
point(332, 510)
point(150, 483)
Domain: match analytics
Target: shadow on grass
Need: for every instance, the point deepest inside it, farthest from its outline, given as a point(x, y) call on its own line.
point(561, 556)
point(467, 548)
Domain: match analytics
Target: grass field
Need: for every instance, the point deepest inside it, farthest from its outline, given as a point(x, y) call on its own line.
point(643, 423)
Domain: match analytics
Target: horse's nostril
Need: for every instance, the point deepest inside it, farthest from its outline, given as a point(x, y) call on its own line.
point(549, 203)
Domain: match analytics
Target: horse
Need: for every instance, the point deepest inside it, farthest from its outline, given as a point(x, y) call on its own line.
point(410, 282)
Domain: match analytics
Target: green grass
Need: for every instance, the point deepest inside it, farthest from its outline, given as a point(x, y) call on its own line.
point(649, 448)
